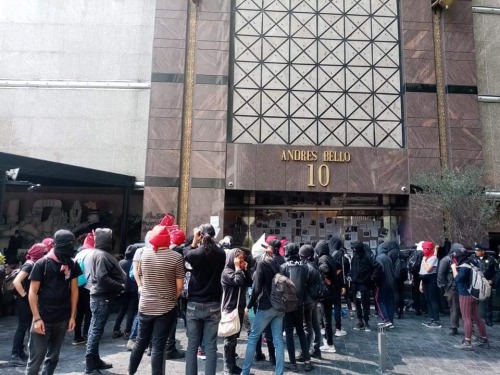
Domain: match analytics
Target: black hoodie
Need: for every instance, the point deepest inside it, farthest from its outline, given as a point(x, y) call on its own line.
point(393, 251)
point(362, 267)
point(126, 264)
point(342, 265)
point(297, 271)
point(108, 278)
point(233, 282)
point(326, 263)
point(262, 281)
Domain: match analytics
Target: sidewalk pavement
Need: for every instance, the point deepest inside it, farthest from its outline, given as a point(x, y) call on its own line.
point(412, 349)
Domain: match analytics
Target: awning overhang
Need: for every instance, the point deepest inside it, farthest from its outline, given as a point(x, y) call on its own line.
point(49, 173)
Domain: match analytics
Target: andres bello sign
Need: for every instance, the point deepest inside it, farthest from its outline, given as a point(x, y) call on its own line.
point(323, 171)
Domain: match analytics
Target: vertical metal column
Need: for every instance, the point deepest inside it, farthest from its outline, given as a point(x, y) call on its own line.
point(382, 350)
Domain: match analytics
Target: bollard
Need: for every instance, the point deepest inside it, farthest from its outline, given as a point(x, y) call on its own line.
point(382, 349)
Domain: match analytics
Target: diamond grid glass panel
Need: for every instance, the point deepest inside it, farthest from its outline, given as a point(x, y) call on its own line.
point(317, 72)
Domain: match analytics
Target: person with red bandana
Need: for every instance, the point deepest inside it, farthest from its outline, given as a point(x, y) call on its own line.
point(428, 283)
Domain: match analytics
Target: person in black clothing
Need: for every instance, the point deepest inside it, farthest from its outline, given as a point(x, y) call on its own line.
point(328, 270)
point(22, 285)
point(207, 260)
point(129, 298)
point(235, 279)
point(363, 274)
point(15, 243)
point(448, 285)
point(296, 271)
point(396, 256)
point(266, 314)
point(341, 266)
point(53, 296)
point(108, 282)
point(489, 266)
point(311, 297)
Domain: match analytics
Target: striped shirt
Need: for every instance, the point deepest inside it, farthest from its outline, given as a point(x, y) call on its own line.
point(159, 272)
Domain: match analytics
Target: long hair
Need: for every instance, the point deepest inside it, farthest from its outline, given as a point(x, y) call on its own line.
point(208, 234)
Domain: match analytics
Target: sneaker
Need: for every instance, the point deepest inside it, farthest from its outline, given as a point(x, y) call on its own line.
point(201, 355)
point(292, 367)
point(484, 343)
point(300, 358)
point(328, 348)
point(340, 333)
point(316, 354)
point(308, 367)
point(79, 341)
point(389, 325)
point(453, 332)
point(117, 334)
point(433, 324)
point(368, 328)
point(259, 357)
point(360, 326)
point(426, 323)
point(16, 361)
point(323, 331)
point(465, 345)
point(130, 345)
point(175, 354)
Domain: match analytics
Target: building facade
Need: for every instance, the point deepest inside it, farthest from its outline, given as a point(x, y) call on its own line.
point(299, 118)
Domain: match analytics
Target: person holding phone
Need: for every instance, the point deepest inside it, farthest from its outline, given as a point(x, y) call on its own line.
point(428, 283)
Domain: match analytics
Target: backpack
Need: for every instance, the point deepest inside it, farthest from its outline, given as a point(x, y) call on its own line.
point(283, 295)
point(320, 291)
point(479, 287)
point(82, 279)
point(131, 274)
point(8, 285)
point(415, 261)
point(401, 268)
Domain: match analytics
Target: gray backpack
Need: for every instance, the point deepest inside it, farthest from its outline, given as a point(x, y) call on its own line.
point(283, 295)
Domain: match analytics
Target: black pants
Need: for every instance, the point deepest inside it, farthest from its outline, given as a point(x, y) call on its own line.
point(171, 336)
point(83, 314)
point(337, 305)
point(399, 296)
point(327, 309)
point(153, 328)
point(269, 341)
point(431, 294)
point(230, 348)
point(128, 306)
point(312, 326)
point(295, 319)
point(486, 309)
point(454, 305)
point(418, 298)
point(25, 318)
point(363, 305)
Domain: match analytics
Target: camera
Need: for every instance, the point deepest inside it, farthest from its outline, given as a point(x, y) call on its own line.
point(404, 189)
point(230, 183)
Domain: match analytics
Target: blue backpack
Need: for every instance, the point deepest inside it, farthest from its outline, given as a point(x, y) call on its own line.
point(82, 279)
point(131, 275)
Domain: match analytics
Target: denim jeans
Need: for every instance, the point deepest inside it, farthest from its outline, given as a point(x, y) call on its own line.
point(155, 328)
point(100, 315)
point(202, 320)
point(45, 348)
point(312, 326)
point(295, 319)
point(83, 314)
point(260, 322)
point(385, 302)
point(25, 318)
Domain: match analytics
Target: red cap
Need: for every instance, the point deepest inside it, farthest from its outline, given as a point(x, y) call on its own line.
point(160, 237)
point(178, 237)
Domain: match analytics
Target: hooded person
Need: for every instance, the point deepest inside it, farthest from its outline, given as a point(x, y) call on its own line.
point(22, 285)
point(235, 279)
point(49, 242)
point(129, 299)
point(428, 283)
point(54, 305)
point(108, 282)
point(468, 305)
point(400, 274)
point(446, 282)
point(297, 272)
point(384, 293)
point(328, 268)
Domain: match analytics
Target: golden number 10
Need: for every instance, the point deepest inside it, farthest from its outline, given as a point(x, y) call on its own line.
point(323, 175)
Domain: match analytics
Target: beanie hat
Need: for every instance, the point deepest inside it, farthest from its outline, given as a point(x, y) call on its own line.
point(458, 252)
point(89, 242)
point(428, 248)
point(160, 237)
point(64, 241)
point(37, 251)
point(306, 252)
point(178, 237)
point(49, 243)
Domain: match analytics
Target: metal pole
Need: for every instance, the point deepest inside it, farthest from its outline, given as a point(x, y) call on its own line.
point(124, 226)
point(382, 350)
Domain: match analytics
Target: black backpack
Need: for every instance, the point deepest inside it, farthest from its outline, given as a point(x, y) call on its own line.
point(283, 295)
point(401, 268)
point(415, 261)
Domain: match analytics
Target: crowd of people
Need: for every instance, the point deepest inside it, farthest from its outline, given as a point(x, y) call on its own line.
point(170, 276)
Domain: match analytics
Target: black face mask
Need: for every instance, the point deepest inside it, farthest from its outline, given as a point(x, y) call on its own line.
point(64, 256)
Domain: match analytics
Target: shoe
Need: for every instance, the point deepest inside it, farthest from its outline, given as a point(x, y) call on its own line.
point(201, 355)
point(484, 343)
point(300, 359)
point(101, 365)
point(130, 345)
point(453, 332)
point(389, 325)
point(367, 327)
point(465, 345)
point(426, 323)
point(175, 354)
point(360, 326)
point(328, 348)
point(23, 355)
point(259, 357)
point(316, 354)
point(79, 341)
point(308, 367)
point(236, 370)
point(433, 324)
point(126, 335)
point(292, 367)
point(323, 331)
point(117, 334)
point(340, 332)
point(91, 366)
point(16, 361)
